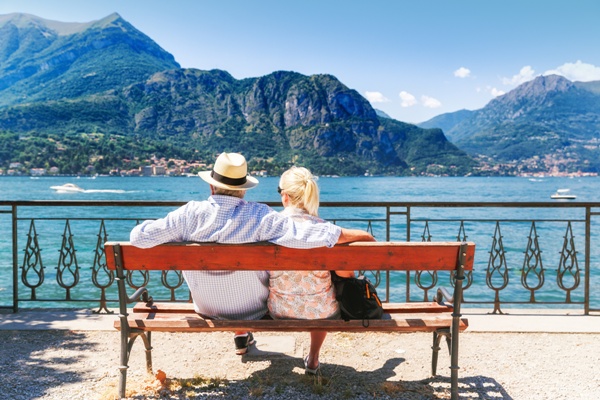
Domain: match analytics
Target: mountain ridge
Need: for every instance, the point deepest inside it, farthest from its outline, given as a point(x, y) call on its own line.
point(78, 101)
point(548, 124)
point(37, 64)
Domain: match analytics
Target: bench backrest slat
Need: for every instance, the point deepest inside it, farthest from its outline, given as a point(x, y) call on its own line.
point(396, 256)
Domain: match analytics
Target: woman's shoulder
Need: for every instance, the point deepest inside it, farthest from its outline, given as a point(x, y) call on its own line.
point(300, 215)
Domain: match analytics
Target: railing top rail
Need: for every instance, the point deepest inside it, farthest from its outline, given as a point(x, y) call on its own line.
point(437, 204)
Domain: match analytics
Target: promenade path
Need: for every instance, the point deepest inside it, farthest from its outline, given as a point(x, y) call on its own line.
point(524, 354)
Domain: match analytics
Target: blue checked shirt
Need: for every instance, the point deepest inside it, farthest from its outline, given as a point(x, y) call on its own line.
point(226, 219)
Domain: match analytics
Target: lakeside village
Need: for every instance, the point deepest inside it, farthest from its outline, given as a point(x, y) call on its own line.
point(156, 167)
point(175, 167)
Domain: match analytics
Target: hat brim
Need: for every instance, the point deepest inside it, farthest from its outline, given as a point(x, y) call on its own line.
point(250, 182)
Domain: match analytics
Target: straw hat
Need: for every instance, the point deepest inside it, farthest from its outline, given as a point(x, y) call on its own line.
point(229, 172)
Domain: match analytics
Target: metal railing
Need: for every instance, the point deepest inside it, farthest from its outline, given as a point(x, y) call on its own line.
point(528, 254)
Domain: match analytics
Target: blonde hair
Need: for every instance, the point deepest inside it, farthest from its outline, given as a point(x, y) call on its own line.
point(301, 187)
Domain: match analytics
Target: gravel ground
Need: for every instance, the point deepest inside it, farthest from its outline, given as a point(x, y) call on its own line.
point(83, 365)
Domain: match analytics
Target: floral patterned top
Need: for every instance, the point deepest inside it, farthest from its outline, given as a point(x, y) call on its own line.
point(302, 294)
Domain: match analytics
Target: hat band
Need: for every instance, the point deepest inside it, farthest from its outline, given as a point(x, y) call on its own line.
point(227, 181)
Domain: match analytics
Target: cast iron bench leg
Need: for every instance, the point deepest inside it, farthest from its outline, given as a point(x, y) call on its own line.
point(437, 339)
point(147, 338)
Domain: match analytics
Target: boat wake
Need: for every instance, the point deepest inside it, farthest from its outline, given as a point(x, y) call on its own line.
point(108, 191)
point(72, 188)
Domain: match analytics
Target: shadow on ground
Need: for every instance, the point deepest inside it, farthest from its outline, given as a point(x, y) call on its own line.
point(284, 378)
point(28, 367)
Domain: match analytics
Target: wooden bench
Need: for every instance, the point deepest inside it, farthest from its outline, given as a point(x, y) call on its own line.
point(442, 316)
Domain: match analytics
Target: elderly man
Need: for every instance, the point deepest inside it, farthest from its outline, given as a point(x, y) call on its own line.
point(225, 217)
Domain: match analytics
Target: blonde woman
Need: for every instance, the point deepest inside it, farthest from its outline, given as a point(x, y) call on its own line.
point(304, 294)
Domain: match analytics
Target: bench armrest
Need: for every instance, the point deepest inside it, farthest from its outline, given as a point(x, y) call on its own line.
point(444, 294)
point(140, 292)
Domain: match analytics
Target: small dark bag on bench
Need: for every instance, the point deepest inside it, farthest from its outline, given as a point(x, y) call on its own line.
point(357, 298)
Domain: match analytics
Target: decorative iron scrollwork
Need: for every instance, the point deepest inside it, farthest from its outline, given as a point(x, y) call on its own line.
point(532, 273)
point(422, 277)
point(373, 276)
point(426, 236)
point(130, 275)
point(144, 275)
point(568, 267)
point(102, 277)
point(172, 287)
point(497, 269)
point(67, 274)
point(468, 281)
point(32, 274)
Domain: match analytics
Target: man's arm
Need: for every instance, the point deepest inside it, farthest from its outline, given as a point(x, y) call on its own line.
point(151, 233)
point(354, 235)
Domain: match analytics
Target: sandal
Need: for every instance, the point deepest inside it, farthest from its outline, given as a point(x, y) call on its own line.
point(310, 371)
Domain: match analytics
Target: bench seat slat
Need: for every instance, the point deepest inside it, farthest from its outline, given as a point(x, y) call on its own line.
point(169, 322)
point(420, 307)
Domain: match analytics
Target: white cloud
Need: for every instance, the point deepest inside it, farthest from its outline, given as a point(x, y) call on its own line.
point(496, 92)
point(577, 71)
point(408, 100)
point(376, 97)
point(525, 74)
point(430, 102)
point(462, 72)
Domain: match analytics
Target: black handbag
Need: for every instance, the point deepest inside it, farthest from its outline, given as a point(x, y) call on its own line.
point(357, 298)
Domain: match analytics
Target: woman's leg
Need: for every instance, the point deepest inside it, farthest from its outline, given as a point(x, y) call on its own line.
point(316, 341)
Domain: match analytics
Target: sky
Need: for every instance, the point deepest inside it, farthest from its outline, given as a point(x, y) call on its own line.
point(412, 59)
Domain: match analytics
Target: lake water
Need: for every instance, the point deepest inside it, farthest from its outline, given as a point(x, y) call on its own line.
point(333, 189)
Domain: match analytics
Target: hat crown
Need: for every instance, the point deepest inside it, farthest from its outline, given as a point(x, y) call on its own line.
point(231, 165)
point(230, 171)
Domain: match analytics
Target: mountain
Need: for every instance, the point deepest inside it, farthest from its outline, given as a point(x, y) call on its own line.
point(549, 124)
point(98, 96)
point(382, 114)
point(447, 121)
point(44, 60)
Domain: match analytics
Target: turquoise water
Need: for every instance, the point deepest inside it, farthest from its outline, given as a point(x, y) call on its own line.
point(332, 189)
point(480, 225)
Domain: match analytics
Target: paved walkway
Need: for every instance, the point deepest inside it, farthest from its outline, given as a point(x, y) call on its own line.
point(523, 354)
point(513, 321)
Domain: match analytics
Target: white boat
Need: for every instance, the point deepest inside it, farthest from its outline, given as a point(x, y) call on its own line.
point(67, 188)
point(563, 194)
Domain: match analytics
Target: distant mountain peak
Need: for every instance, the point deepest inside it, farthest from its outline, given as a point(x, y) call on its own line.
point(109, 20)
point(42, 59)
point(529, 96)
point(541, 86)
point(24, 21)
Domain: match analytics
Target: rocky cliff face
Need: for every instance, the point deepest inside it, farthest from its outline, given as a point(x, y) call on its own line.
point(316, 113)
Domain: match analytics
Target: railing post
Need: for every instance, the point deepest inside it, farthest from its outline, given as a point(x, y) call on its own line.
point(388, 223)
point(408, 240)
point(388, 228)
point(15, 260)
point(588, 232)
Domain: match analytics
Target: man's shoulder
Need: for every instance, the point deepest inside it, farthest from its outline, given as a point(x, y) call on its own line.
point(239, 202)
point(258, 207)
point(196, 203)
